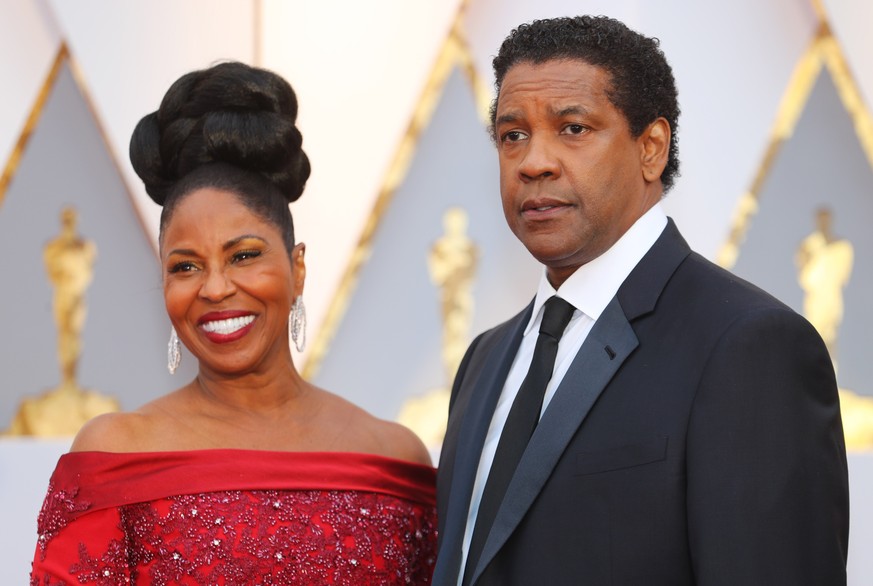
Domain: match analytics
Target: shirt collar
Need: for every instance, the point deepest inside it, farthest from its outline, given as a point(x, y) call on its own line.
point(594, 284)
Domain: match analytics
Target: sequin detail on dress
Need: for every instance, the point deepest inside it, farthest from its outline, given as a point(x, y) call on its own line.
point(58, 509)
point(233, 538)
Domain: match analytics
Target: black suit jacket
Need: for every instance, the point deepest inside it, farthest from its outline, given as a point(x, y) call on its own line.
point(696, 439)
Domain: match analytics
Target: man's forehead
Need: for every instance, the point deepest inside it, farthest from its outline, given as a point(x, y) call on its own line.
point(564, 80)
point(559, 70)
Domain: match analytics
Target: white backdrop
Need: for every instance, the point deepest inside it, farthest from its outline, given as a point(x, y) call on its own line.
point(359, 69)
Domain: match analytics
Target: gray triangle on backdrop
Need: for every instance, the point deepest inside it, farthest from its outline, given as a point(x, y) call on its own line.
point(821, 166)
point(124, 339)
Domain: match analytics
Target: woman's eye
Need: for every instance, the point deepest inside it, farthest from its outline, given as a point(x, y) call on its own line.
point(183, 267)
point(245, 255)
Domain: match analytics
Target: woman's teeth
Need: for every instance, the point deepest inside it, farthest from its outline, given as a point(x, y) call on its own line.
point(228, 326)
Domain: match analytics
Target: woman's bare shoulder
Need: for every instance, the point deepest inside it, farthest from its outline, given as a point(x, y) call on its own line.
point(129, 431)
point(367, 433)
point(405, 444)
point(110, 432)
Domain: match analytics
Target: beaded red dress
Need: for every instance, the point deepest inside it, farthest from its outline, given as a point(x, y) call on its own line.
point(234, 517)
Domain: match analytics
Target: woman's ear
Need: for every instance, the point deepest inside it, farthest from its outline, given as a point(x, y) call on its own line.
point(298, 268)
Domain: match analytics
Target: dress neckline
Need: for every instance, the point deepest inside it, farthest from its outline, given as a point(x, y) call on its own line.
point(107, 479)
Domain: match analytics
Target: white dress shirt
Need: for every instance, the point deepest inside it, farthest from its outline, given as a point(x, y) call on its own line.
point(589, 289)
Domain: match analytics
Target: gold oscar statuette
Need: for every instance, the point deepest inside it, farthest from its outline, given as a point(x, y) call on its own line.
point(69, 261)
point(452, 266)
point(824, 265)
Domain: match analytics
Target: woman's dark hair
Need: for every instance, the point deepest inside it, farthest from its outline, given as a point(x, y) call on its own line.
point(643, 88)
point(229, 127)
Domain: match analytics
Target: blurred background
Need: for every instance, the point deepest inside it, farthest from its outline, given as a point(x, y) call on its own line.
point(408, 255)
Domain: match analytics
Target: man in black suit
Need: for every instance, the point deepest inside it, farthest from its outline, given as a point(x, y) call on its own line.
point(687, 428)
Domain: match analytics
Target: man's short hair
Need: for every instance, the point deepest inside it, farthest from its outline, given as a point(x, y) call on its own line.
point(643, 88)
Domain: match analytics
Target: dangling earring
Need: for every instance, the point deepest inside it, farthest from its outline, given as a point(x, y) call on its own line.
point(174, 352)
point(297, 323)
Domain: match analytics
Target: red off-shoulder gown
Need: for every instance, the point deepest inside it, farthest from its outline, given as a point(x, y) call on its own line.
point(234, 517)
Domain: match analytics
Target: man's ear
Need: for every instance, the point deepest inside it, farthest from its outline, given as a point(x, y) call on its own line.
point(654, 149)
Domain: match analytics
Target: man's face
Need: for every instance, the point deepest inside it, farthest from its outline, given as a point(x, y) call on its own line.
point(572, 178)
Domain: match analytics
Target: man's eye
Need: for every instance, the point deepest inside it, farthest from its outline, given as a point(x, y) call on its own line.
point(574, 129)
point(514, 136)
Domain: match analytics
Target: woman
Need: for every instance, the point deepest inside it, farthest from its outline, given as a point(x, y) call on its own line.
point(248, 474)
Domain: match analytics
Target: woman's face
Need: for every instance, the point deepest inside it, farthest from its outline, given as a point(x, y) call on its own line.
point(228, 282)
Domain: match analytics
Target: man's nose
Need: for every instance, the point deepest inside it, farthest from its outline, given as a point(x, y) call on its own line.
point(540, 160)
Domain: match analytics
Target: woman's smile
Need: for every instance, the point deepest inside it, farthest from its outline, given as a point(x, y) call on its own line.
point(226, 326)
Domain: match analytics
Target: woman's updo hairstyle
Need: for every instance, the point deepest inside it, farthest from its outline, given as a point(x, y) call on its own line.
point(229, 127)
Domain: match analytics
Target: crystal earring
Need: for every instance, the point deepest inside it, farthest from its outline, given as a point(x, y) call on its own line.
point(297, 323)
point(174, 352)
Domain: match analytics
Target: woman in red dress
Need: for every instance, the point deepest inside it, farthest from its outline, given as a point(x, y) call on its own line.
point(248, 474)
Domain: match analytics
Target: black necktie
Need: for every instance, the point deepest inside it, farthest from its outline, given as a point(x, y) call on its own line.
point(520, 424)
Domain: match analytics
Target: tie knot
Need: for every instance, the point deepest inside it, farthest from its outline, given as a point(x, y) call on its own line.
point(556, 316)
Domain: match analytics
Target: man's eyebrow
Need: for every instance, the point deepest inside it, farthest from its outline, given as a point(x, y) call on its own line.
point(512, 117)
point(568, 110)
point(508, 118)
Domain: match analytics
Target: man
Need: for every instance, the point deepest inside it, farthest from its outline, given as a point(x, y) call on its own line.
point(690, 428)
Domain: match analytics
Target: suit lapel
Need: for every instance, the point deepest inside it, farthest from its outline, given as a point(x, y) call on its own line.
point(590, 372)
point(483, 387)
